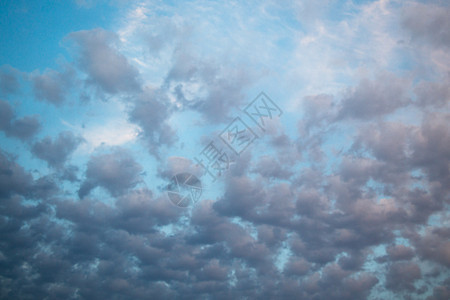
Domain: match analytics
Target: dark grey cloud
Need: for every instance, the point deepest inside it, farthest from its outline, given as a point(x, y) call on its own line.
point(117, 249)
point(387, 141)
point(23, 128)
point(176, 165)
point(435, 94)
point(151, 111)
point(140, 210)
point(429, 147)
point(9, 82)
point(375, 97)
point(70, 173)
point(400, 252)
point(271, 168)
point(441, 292)
point(6, 115)
point(52, 86)
point(402, 275)
point(105, 66)
point(400, 149)
point(116, 171)
point(434, 245)
point(56, 152)
point(428, 22)
point(13, 178)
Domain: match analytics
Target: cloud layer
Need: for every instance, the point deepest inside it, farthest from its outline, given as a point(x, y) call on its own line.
point(345, 196)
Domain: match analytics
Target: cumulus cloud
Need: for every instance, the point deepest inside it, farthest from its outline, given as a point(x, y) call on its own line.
point(116, 172)
point(14, 179)
point(435, 94)
point(206, 85)
point(56, 152)
point(52, 86)
point(376, 97)
point(105, 66)
point(150, 111)
point(401, 276)
point(9, 82)
point(428, 22)
point(22, 128)
point(344, 197)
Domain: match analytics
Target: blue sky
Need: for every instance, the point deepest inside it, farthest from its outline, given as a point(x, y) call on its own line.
point(343, 194)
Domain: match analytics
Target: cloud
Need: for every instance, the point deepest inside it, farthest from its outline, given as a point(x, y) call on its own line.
point(105, 66)
point(176, 165)
point(206, 85)
point(24, 128)
point(433, 93)
point(56, 152)
point(13, 178)
point(319, 110)
point(116, 172)
point(400, 252)
point(346, 196)
point(270, 167)
point(440, 292)
point(374, 98)
point(428, 22)
point(402, 275)
point(7, 114)
point(151, 111)
point(52, 86)
point(140, 211)
point(434, 245)
point(9, 83)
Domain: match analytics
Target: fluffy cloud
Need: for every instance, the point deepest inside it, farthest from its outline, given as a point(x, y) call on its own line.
point(402, 275)
point(105, 66)
point(344, 197)
point(218, 88)
point(9, 82)
point(374, 98)
point(14, 179)
point(428, 22)
point(56, 152)
point(116, 172)
point(23, 128)
point(150, 111)
point(52, 86)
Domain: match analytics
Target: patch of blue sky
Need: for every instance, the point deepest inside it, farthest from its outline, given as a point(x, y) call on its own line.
point(41, 26)
point(441, 219)
point(282, 257)
point(336, 142)
point(400, 240)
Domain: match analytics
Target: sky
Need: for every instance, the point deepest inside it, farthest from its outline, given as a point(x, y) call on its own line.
point(316, 134)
